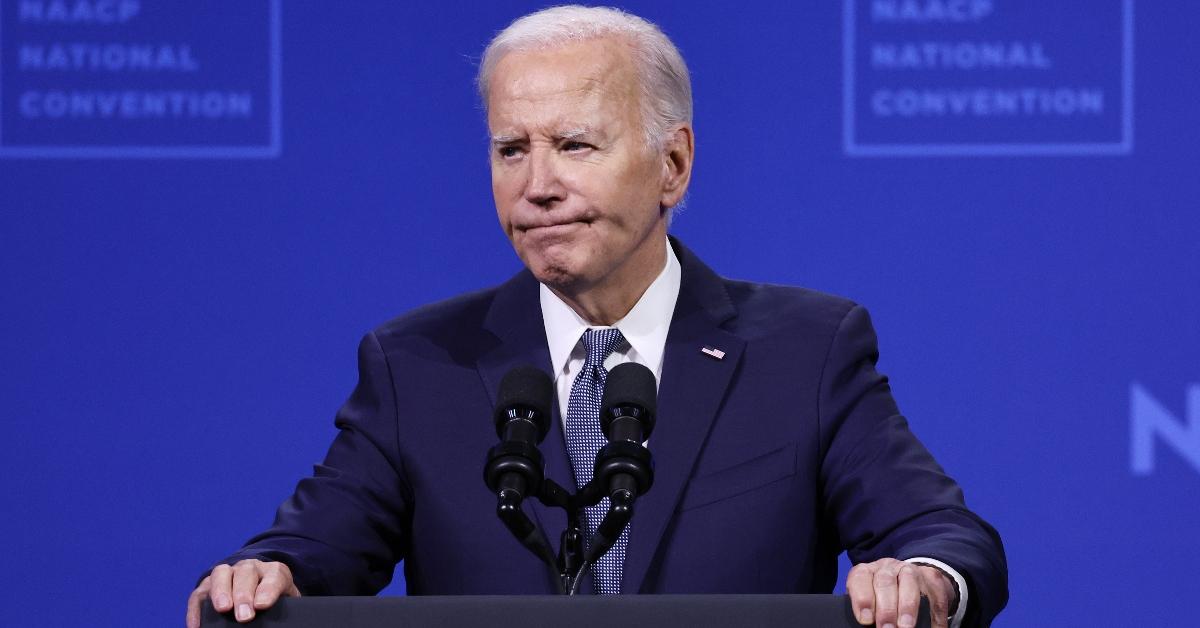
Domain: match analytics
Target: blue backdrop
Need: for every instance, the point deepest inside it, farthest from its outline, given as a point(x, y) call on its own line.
point(204, 205)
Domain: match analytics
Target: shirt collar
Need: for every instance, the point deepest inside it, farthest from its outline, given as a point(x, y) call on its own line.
point(644, 327)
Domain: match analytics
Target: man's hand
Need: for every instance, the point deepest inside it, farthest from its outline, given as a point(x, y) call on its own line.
point(248, 586)
point(888, 593)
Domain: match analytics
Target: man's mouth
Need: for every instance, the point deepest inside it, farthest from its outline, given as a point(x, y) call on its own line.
point(555, 225)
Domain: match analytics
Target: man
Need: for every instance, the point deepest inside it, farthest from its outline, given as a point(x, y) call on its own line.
point(777, 444)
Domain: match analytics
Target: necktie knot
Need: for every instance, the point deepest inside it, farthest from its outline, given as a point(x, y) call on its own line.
point(599, 344)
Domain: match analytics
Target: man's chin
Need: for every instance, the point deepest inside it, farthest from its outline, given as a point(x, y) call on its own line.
point(558, 277)
point(554, 266)
point(559, 273)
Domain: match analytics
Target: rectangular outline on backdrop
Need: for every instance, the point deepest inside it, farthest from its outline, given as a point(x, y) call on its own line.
point(853, 149)
point(271, 150)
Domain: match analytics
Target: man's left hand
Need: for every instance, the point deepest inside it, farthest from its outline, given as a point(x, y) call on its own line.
point(888, 593)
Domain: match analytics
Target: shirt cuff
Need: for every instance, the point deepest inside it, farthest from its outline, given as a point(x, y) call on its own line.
point(961, 611)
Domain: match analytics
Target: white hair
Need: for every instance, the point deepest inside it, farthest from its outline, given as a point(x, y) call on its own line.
point(666, 89)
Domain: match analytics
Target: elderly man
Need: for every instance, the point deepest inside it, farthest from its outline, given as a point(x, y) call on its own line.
point(778, 445)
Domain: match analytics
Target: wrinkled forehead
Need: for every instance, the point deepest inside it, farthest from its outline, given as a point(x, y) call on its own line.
point(585, 79)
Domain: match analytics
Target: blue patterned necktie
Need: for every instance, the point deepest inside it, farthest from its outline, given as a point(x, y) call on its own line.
point(584, 439)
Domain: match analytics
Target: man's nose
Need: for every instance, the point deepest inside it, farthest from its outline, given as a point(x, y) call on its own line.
point(543, 188)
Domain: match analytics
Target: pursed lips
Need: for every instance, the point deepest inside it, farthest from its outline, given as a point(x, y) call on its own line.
point(554, 225)
point(553, 233)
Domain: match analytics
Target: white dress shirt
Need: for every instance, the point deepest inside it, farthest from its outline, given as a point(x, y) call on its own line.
point(645, 330)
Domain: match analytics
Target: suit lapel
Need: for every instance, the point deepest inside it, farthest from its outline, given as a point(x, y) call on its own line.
point(692, 388)
point(515, 319)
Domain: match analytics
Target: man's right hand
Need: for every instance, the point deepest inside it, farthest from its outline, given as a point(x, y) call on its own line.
point(248, 586)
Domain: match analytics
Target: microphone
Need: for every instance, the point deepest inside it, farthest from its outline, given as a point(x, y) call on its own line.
point(629, 403)
point(623, 467)
point(515, 468)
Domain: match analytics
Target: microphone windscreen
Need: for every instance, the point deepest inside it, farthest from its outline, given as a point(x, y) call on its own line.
point(631, 384)
point(526, 388)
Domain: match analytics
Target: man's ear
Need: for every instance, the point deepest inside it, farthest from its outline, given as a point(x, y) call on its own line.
point(677, 155)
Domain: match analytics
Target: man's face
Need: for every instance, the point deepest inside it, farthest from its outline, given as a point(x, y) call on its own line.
point(577, 188)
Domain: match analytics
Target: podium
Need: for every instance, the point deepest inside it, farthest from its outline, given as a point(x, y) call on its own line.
point(536, 611)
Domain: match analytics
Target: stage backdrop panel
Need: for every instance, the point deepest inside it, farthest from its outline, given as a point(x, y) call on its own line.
point(203, 206)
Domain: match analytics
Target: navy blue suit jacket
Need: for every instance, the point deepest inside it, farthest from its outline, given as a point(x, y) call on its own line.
point(768, 463)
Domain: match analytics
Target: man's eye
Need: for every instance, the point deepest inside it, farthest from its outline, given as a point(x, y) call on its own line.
point(574, 146)
point(508, 151)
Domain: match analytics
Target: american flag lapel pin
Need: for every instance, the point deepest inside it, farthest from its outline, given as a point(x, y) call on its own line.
point(712, 352)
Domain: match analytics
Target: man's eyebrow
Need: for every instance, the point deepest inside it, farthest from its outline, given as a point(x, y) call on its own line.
point(565, 135)
point(505, 139)
point(573, 134)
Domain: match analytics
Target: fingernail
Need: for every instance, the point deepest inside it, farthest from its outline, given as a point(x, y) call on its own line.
point(243, 611)
point(888, 626)
point(866, 616)
point(906, 621)
point(222, 601)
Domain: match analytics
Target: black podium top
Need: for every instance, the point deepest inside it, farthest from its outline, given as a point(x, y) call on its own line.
point(590, 611)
